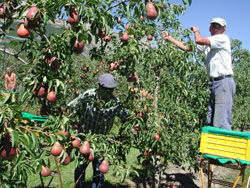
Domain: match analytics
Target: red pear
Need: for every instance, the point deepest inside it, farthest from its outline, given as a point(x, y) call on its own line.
point(3, 11)
point(33, 15)
point(111, 67)
point(56, 149)
point(150, 37)
point(137, 127)
point(67, 160)
point(75, 142)
point(22, 31)
point(91, 157)
point(47, 60)
point(51, 96)
point(63, 132)
point(125, 37)
point(54, 64)
point(107, 38)
point(132, 78)
point(104, 167)
point(41, 92)
point(142, 18)
point(102, 33)
point(119, 20)
point(73, 16)
point(151, 11)
point(45, 171)
point(157, 136)
point(7, 152)
point(85, 148)
point(78, 47)
point(116, 65)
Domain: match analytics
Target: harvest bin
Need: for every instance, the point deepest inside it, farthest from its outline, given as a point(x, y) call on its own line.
point(27, 117)
point(38, 119)
point(225, 143)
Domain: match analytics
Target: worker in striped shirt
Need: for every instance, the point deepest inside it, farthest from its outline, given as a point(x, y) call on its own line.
point(96, 110)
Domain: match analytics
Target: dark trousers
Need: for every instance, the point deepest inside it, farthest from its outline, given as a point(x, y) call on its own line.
point(220, 103)
point(98, 177)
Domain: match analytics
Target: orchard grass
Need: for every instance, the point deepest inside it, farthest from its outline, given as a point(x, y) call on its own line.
point(67, 174)
point(233, 174)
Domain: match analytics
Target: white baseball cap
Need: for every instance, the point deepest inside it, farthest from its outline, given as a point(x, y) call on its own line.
point(219, 21)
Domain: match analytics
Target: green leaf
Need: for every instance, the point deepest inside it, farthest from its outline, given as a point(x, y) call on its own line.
point(57, 83)
point(52, 139)
point(27, 140)
point(7, 98)
point(122, 177)
point(44, 79)
point(89, 38)
point(27, 168)
point(136, 173)
point(20, 158)
point(25, 143)
point(1, 119)
point(117, 173)
point(50, 84)
point(42, 155)
point(159, 13)
point(14, 137)
point(14, 43)
point(128, 12)
point(127, 173)
point(34, 141)
point(185, 3)
point(45, 17)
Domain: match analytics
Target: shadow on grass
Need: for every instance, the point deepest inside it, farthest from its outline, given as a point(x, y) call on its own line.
point(89, 185)
point(181, 180)
point(108, 185)
point(184, 179)
point(143, 179)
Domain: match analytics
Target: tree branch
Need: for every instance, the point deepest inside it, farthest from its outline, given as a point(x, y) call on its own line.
point(115, 5)
point(46, 38)
point(13, 54)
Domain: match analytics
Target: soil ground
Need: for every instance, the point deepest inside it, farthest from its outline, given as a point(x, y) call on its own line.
point(175, 177)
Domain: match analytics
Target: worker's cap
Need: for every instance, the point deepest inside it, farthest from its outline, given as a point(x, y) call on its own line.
point(219, 21)
point(107, 80)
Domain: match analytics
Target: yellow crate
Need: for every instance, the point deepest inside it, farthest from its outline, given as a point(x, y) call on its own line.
point(225, 144)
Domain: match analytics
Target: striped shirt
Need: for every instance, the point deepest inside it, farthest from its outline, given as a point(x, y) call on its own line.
point(97, 116)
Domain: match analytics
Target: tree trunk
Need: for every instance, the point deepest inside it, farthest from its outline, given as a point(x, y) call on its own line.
point(157, 158)
point(156, 92)
point(157, 172)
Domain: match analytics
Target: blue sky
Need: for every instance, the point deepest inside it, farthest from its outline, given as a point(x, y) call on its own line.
point(235, 12)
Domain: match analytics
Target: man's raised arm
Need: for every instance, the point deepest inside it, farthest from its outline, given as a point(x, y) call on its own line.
point(176, 42)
